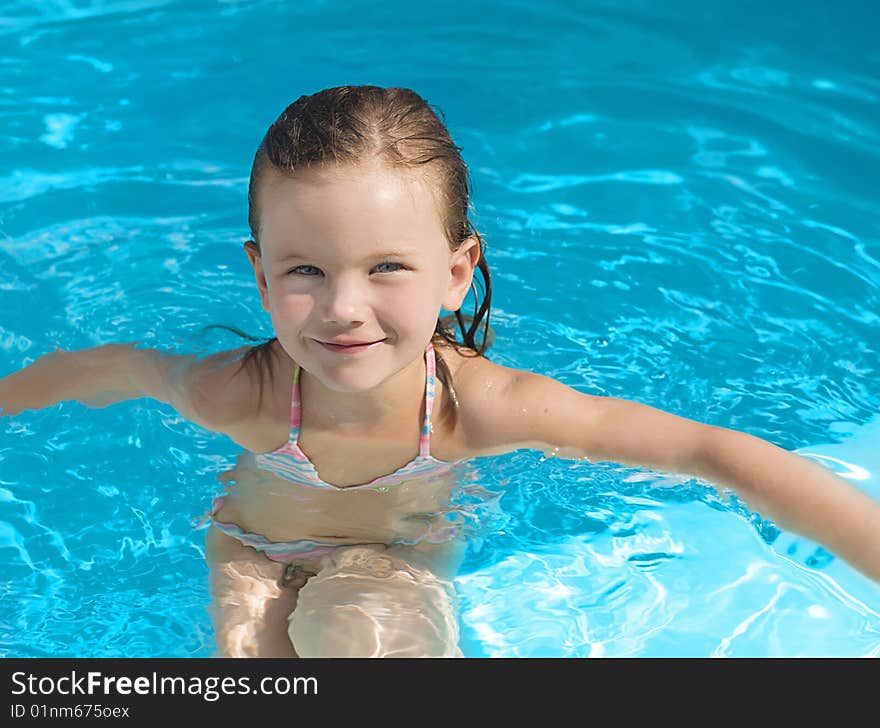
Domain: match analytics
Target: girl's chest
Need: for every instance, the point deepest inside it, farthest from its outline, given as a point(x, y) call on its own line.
point(345, 460)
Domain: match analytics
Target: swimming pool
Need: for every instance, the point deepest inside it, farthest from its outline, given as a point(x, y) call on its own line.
point(677, 210)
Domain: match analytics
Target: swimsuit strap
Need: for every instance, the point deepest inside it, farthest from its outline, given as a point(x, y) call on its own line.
point(430, 380)
point(295, 408)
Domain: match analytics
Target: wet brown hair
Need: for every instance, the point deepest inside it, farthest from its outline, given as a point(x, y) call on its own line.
point(352, 125)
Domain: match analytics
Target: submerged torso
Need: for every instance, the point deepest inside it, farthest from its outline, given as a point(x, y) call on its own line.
point(261, 502)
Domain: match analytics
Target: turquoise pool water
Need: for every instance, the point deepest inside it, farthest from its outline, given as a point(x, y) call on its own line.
point(678, 207)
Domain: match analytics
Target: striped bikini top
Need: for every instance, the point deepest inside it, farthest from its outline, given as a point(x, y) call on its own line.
point(291, 463)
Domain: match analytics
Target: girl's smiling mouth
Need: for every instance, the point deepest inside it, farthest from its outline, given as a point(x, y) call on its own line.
point(349, 348)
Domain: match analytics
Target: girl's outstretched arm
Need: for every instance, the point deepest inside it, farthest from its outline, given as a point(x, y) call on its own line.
point(112, 373)
point(95, 377)
point(526, 410)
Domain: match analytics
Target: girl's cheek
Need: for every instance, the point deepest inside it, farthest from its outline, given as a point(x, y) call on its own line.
point(297, 306)
point(295, 309)
point(406, 302)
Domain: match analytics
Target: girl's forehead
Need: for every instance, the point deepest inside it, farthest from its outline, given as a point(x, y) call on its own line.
point(369, 181)
point(345, 202)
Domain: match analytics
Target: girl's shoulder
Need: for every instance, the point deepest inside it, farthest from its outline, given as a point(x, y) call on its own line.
point(477, 383)
point(469, 369)
point(242, 395)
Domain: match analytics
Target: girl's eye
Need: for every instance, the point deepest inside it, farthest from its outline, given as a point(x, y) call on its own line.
point(299, 268)
point(399, 265)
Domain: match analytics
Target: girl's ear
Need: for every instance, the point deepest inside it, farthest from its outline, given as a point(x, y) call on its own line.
point(461, 273)
point(256, 259)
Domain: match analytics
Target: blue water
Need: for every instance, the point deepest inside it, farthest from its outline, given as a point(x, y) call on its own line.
point(680, 207)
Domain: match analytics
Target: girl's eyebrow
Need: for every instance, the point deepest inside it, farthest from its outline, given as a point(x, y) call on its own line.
point(398, 253)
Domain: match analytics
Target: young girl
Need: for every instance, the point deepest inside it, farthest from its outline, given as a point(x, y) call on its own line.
point(359, 415)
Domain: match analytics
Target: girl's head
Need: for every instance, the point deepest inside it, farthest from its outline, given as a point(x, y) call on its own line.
point(340, 177)
point(355, 255)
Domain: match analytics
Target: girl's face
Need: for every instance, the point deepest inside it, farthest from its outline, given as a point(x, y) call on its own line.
point(355, 256)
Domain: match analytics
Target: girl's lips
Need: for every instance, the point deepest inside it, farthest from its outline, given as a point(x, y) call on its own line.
point(340, 349)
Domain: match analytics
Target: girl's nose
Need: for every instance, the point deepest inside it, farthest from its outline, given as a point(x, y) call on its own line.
point(345, 302)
